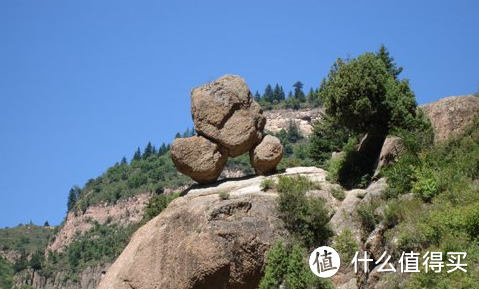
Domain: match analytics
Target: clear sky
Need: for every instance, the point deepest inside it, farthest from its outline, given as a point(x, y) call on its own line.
point(83, 83)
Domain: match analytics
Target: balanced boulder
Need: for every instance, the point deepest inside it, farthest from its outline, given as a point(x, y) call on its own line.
point(226, 112)
point(199, 158)
point(267, 155)
point(229, 122)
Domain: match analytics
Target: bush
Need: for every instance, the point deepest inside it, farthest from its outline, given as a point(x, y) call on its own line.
point(291, 268)
point(472, 221)
point(157, 204)
point(306, 218)
point(346, 245)
point(6, 274)
point(327, 137)
point(424, 184)
point(276, 265)
point(338, 193)
point(351, 169)
point(267, 184)
point(366, 212)
point(224, 195)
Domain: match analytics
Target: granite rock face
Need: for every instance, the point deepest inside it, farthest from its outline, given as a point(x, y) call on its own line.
point(451, 115)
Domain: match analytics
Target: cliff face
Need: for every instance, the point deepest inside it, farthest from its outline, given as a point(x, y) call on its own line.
point(277, 120)
point(123, 213)
point(87, 279)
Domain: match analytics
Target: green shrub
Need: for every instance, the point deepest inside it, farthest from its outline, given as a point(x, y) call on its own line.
point(338, 193)
point(267, 184)
point(366, 213)
point(346, 245)
point(424, 184)
point(157, 204)
point(351, 169)
point(306, 218)
point(276, 265)
point(291, 268)
point(224, 195)
point(6, 274)
point(327, 137)
point(472, 220)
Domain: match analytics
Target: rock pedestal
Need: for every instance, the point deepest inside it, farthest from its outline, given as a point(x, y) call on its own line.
point(229, 122)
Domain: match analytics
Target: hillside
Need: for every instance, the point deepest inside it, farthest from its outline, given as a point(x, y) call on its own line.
point(428, 202)
point(109, 208)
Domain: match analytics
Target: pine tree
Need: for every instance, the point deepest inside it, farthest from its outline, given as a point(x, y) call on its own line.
point(276, 266)
point(268, 94)
point(298, 91)
point(281, 96)
point(290, 94)
point(257, 96)
point(46, 224)
point(391, 66)
point(276, 93)
point(123, 161)
point(73, 196)
point(298, 274)
point(137, 155)
point(177, 135)
point(148, 151)
point(163, 149)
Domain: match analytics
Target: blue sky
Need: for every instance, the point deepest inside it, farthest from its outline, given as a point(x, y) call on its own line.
point(83, 83)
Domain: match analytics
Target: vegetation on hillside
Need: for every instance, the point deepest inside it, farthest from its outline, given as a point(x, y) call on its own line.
point(6, 273)
point(306, 219)
point(25, 238)
point(362, 96)
point(443, 215)
point(365, 101)
point(288, 266)
point(275, 98)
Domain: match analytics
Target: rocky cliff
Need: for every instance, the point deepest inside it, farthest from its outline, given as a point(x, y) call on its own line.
point(277, 120)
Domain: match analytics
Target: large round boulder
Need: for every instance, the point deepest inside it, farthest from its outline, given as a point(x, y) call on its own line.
point(226, 112)
point(198, 158)
point(267, 155)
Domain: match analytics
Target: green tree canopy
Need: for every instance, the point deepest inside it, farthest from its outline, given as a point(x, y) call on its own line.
point(364, 95)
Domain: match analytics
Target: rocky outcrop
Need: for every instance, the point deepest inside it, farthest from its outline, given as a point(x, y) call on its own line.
point(281, 119)
point(229, 122)
point(225, 112)
point(89, 278)
point(204, 241)
point(123, 213)
point(392, 147)
point(267, 155)
point(451, 115)
point(199, 158)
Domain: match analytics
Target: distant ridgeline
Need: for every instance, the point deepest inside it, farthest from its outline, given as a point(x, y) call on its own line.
point(149, 171)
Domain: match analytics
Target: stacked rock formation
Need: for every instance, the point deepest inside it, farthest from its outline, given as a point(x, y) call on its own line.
point(229, 123)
